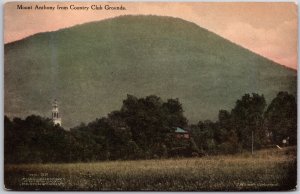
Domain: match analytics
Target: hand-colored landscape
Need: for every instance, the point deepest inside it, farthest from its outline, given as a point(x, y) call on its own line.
point(150, 101)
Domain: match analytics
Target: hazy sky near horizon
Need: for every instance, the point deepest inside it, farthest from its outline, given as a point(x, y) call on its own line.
point(269, 29)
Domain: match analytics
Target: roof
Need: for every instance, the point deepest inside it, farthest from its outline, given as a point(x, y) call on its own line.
point(179, 130)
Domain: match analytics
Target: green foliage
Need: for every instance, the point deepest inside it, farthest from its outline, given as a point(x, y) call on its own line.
point(35, 139)
point(247, 117)
point(281, 118)
point(232, 132)
point(151, 120)
point(204, 134)
point(144, 128)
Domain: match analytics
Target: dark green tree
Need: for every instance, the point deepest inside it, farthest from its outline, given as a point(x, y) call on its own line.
point(173, 113)
point(35, 139)
point(281, 118)
point(247, 118)
point(151, 121)
point(206, 135)
point(227, 136)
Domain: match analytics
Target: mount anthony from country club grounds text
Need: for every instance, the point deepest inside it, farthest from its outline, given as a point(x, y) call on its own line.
point(90, 68)
point(71, 7)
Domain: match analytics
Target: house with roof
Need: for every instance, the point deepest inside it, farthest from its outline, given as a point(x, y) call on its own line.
point(181, 133)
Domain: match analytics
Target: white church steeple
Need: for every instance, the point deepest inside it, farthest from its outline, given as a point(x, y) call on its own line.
point(55, 114)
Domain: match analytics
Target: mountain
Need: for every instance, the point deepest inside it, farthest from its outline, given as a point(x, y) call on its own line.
point(90, 69)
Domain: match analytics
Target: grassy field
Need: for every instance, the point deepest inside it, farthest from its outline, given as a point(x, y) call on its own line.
point(270, 169)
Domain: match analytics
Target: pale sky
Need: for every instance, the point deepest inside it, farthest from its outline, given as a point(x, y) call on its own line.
point(269, 29)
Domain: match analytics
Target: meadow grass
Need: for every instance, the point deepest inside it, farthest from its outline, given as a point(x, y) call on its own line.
point(269, 169)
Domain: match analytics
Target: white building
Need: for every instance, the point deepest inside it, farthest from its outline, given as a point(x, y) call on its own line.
point(55, 114)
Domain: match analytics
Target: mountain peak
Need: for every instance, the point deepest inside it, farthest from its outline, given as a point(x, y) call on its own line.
point(91, 67)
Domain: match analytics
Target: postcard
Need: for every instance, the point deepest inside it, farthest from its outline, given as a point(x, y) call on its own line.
point(150, 96)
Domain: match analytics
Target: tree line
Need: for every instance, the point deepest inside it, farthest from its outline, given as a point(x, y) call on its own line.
point(250, 122)
point(144, 128)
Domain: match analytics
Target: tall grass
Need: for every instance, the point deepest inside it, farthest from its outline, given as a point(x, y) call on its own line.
point(267, 170)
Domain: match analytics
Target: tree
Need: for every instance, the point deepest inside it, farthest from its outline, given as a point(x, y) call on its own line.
point(206, 135)
point(281, 118)
point(173, 113)
point(247, 119)
point(227, 136)
point(35, 139)
point(151, 120)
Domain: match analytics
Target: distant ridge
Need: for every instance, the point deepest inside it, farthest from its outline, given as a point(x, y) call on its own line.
point(90, 68)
